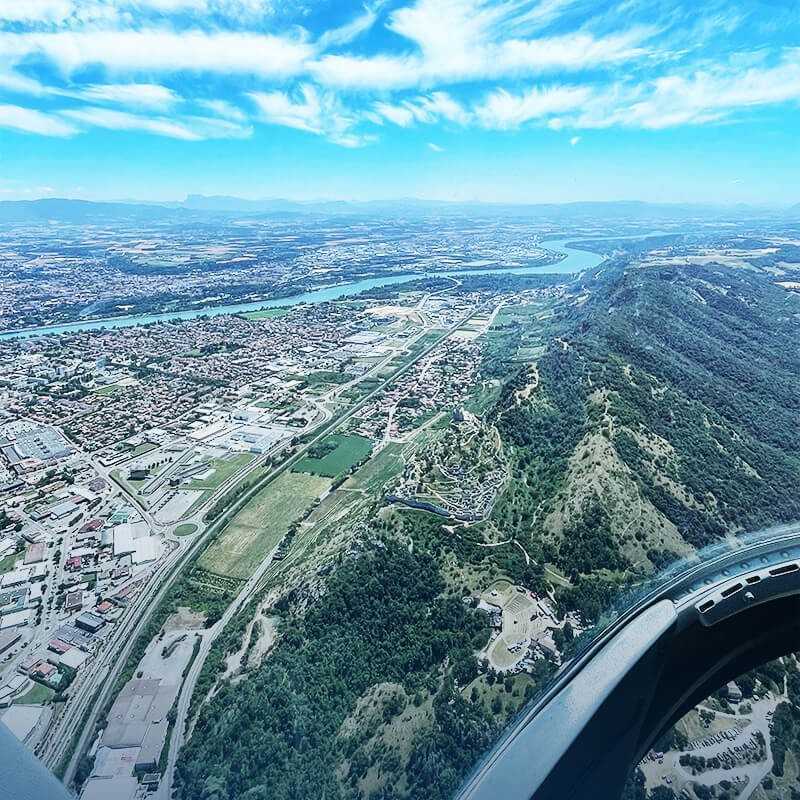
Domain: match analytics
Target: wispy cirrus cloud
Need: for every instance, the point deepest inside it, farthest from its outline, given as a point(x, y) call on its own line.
point(29, 120)
point(428, 109)
point(142, 95)
point(694, 98)
point(189, 128)
point(504, 110)
point(196, 69)
point(160, 50)
point(312, 111)
point(453, 41)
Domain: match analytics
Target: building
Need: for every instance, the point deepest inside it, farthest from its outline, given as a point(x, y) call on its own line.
point(117, 787)
point(35, 553)
point(61, 510)
point(733, 692)
point(16, 577)
point(73, 600)
point(138, 718)
point(73, 659)
point(58, 647)
point(90, 622)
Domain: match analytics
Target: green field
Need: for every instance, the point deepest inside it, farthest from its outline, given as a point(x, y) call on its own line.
point(223, 469)
point(37, 695)
point(186, 529)
point(267, 313)
point(325, 378)
point(7, 563)
point(343, 452)
point(261, 524)
point(143, 448)
point(108, 390)
point(379, 470)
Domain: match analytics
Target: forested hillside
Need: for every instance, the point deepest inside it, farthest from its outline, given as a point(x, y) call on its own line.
point(665, 419)
point(661, 415)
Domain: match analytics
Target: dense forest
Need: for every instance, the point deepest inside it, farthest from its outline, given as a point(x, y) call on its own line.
point(383, 619)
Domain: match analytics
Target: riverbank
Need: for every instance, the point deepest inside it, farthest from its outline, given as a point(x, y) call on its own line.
point(574, 261)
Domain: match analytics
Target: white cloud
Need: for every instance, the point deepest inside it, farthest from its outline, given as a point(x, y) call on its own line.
point(701, 97)
point(347, 33)
point(399, 115)
point(463, 40)
point(313, 111)
point(188, 128)
point(442, 106)
point(435, 147)
point(142, 95)
point(160, 49)
point(35, 10)
point(501, 109)
point(426, 109)
point(574, 140)
point(29, 120)
point(225, 8)
point(222, 108)
point(371, 72)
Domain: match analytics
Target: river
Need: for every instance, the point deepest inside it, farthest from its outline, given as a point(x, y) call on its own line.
point(575, 261)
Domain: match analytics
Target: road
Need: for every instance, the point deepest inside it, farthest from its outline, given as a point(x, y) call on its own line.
point(187, 689)
point(253, 585)
point(90, 697)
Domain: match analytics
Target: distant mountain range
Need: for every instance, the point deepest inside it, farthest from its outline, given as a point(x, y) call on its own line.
point(194, 206)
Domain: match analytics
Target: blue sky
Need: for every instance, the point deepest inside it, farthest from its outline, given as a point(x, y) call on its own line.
point(500, 100)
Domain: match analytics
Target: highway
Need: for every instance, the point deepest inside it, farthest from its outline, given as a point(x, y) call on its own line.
point(90, 696)
point(253, 585)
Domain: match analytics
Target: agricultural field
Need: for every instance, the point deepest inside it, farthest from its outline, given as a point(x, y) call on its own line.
point(223, 468)
point(261, 524)
point(378, 471)
point(334, 455)
point(267, 313)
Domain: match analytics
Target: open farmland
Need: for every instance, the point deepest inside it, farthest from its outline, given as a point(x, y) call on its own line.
point(258, 527)
point(334, 455)
point(267, 313)
point(379, 470)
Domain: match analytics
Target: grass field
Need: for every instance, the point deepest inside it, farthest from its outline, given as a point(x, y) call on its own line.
point(325, 378)
point(37, 695)
point(7, 563)
point(347, 450)
point(108, 390)
point(379, 470)
point(261, 524)
point(482, 397)
point(223, 469)
point(186, 529)
point(267, 313)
